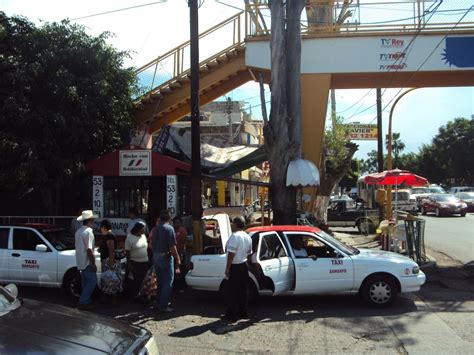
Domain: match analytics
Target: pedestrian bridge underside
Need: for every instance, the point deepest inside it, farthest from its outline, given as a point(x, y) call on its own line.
point(333, 58)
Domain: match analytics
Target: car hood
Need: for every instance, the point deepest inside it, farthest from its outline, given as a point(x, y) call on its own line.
point(49, 328)
point(381, 255)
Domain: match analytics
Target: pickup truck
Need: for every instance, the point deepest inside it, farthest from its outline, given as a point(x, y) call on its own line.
point(348, 213)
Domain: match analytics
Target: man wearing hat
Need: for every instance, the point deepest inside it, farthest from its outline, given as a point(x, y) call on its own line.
point(85, 258)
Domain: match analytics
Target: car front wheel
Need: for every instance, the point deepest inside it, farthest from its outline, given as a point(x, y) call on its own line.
point(379, 291)
point(423, 211)
point(438, 212)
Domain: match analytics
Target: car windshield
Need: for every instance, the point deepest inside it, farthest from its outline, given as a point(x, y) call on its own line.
point(59, 238)
point(446, 198)
point(349, 250)
point(8, 301)
point(419, 190)
point(436, 190)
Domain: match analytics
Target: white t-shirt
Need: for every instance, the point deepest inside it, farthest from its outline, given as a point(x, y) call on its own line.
point(84, 239)
point(240, 244)
point(302, 253)
point(137, 246)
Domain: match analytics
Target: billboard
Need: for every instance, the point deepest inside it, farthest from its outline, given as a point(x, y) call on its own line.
point(358, 131)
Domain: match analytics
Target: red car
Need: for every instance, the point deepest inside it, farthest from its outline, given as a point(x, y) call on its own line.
point(443, 205)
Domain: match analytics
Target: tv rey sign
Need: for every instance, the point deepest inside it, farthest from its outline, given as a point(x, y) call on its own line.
point(359, 131)
point(135, 163)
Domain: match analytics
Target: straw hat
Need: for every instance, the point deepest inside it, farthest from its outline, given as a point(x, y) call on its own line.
point(87, 214)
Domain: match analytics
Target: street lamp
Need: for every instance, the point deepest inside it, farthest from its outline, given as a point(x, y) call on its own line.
point(389, 151)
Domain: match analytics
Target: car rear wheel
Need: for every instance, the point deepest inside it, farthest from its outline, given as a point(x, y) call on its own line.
point(379, 291)
point(423, 211)
point(438, 212)
point(72, 283)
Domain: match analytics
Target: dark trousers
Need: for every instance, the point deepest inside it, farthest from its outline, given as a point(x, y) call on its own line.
point(237, 292)
point(139, 272)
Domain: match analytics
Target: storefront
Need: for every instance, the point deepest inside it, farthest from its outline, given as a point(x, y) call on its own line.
point(141, 179)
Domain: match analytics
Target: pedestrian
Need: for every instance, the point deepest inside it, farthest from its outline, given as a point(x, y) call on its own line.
point(136, 247)
point(111, 278)
point(133, 215)
point(85, 259)
point(180, 233)
point(166, 261)
point(238, 248)
point(150, 241)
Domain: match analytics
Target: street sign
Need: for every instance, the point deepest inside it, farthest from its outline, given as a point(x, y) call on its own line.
point(359, 131)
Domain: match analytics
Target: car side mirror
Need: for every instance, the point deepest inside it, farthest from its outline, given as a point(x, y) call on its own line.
point(41, 247)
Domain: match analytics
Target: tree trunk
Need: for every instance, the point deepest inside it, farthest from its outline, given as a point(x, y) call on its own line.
point(283, 132)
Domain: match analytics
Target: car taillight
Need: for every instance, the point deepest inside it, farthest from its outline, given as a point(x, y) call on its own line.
point(191, 266)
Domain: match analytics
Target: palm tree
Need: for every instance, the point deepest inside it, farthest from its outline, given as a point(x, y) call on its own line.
point(397, 145)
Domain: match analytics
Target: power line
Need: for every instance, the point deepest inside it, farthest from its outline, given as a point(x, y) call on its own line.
point(118, 10)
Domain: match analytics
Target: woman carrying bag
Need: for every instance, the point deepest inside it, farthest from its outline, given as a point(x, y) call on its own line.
point(111, 279)
point(136, 248)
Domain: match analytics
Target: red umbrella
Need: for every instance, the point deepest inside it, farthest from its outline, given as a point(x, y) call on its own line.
point(396, 177)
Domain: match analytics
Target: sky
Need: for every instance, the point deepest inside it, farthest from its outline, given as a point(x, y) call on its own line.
point(148, 31)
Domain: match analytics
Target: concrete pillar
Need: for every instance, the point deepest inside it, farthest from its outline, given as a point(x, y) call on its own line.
point(314, 101)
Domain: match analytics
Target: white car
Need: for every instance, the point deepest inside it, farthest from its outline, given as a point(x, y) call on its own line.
point(330, 267)
point(39, 255)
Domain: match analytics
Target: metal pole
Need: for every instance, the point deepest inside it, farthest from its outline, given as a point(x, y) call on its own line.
point(229, 119)
point(379, 142)
point(389, 151)
point(196, 203)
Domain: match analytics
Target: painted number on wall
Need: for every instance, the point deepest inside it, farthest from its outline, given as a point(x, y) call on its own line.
point(171, 194)
point(98, 195)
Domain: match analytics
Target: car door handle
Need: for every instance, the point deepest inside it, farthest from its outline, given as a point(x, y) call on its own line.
point(16, 255)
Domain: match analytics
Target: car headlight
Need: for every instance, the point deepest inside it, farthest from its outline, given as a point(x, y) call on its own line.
point(463, 205)
point(415, 270)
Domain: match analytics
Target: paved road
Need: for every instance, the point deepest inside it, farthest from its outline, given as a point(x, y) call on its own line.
point(437, 320)
point(453, 236)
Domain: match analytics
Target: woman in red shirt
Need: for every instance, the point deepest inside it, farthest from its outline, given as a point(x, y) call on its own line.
point(181, 234)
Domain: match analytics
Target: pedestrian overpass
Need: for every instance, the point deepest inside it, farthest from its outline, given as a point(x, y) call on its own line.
point(420, 53)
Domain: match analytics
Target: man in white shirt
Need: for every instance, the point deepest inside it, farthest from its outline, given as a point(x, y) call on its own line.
point(298, 249)
point(85, 259)
point(238, 248)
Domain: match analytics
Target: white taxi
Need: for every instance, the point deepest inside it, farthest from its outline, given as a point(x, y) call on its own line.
point(39, 255)
point(302, 260)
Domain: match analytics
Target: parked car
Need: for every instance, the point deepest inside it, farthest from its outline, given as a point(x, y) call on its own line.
point(347, 213)
point(28, 326)
point(331, 267)
point(40, 255)
point(467, 198)
point(456, 189)
point(418, 193)
point(443, 204)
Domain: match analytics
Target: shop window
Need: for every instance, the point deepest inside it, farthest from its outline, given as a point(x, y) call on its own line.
point(123, 193)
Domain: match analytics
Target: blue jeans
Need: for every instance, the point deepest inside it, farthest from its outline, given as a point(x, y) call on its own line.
point(89, 282)
point(164, 268)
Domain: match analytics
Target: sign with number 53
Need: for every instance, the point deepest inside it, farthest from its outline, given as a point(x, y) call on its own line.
point(98, 195)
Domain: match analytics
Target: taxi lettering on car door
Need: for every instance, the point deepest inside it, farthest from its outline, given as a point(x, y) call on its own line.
point(323, 269)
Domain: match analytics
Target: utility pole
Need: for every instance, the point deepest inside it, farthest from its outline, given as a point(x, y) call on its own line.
point(379, 130)
point(196, 203)
point(229, 119)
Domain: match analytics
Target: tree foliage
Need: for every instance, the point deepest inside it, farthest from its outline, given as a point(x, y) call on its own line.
point(65, 98)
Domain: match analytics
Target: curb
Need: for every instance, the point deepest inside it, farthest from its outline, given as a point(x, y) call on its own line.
point(430, 264)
